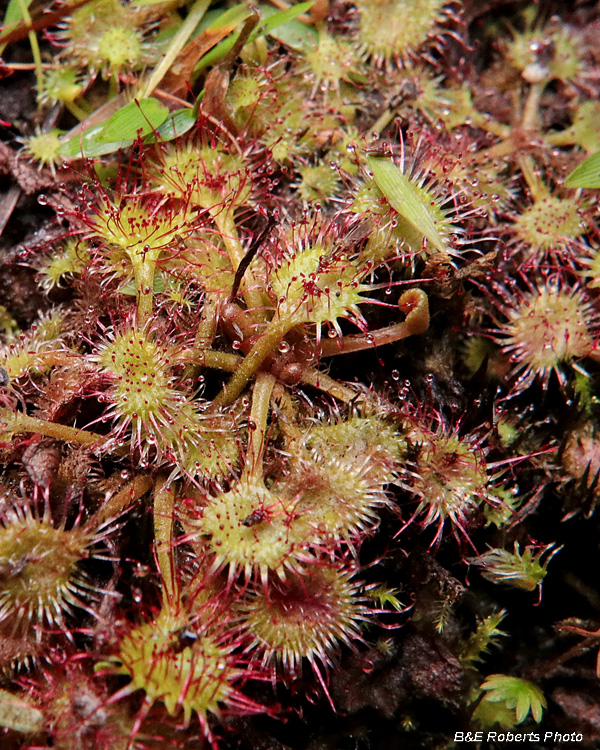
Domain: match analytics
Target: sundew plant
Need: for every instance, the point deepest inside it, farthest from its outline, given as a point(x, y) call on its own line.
point(299, 345)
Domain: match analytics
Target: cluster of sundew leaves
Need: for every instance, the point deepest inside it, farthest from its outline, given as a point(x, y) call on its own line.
point(209, 353)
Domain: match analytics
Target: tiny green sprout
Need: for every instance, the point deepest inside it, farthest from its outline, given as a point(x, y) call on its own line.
point(479, 642)
point(71, 260)
point(513, 694)
point(523, 570)
point(386, 597)
point(43, 148)
point(60, 84)
point(503, 503)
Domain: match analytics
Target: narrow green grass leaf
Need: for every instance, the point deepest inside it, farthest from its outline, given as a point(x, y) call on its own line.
point(87, 145)
point(138, 118)
point(13, 16)
point(274, 18)
point(176, 124)
point(14, 13)
point(587, 174)
point(404, 198)
point(232, 17)
point(284, 26)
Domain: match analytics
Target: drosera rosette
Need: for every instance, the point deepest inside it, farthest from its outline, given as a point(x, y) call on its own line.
point(340, 472)
point(108, 37)
point(151, 409)
point(44, 580)
point(32, 352)
point(274, 106)
point(522, 570)
point(132, 233)
point(305, 618)
point(554, 229)
point(549, 325)
point(189, 664)
point(395, 30)
point(447, 473)
point(544, 54)
point(315, 278)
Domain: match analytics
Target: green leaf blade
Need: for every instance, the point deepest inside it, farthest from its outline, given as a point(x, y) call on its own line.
point(587, 174)
point(138, 118)
point(404, 198)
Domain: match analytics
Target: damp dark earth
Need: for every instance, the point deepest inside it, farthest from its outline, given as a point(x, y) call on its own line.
point(299, 374)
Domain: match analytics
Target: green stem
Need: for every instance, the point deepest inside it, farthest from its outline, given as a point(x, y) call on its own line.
point(268, 342)
point(225, 222)
point(144, 286)
point(35, 48)
point(330, 386)
point(79, 111)
point(216, 360)
point(207, 328)
point(22, 423)
point(531, 120)
point(259, 413)
point(164, 510)
point(122, 499)
point(538, 190)
point(113, 85)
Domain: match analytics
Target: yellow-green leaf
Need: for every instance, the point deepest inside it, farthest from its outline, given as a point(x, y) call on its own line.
point(587, 174)
point(404, 198)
